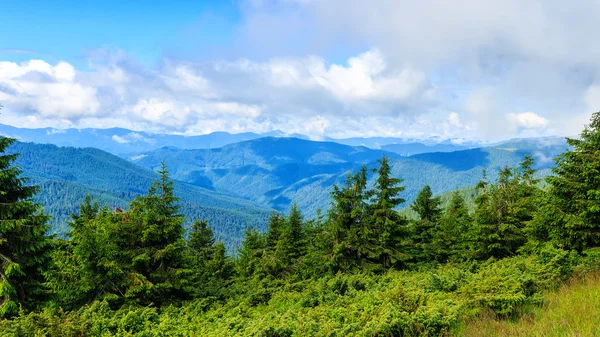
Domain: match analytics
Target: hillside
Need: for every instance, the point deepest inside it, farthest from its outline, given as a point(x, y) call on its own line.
point(270, 171)
point(573, 310)
point(67, 174)
point(275, 171)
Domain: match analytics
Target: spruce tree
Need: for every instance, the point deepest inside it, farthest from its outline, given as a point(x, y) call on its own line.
point(291, 244)
point(76, 277)
point(451, 240)
point(389, 227)
point(201, 241)
point(275, 225)
point(157, 259)
point(428, 208)
point(24, 247)
point(250, 253)
point(570, 213)
point(349, 223)
point(503, 211)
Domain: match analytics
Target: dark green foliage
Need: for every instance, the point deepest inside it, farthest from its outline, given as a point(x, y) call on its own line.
point(274, 228)
point(503, 209)
point(389, 227)
point(570, 213)
point(210, 268)
point(291, 244)
point(251, 252)
point(423, 230)
point(24, 247)
point(133, 273)
point(349, 223)
point(152, 237)
point(451, 240)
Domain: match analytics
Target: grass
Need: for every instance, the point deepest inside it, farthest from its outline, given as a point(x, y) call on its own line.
point(572, 311)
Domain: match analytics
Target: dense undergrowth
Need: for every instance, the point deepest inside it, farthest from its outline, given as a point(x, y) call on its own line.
point(574, 310)
point(429, 302)
point(362, 269)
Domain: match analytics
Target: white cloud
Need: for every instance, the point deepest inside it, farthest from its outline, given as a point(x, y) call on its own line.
point(456, 69)
point(528, 120)
point(131, 137)
point(55, 131)
point(50, 91)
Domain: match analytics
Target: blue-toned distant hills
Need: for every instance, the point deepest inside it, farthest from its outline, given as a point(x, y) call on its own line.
point(67, 174)
point(278, 171)
point(235, 181)
point(124, 142)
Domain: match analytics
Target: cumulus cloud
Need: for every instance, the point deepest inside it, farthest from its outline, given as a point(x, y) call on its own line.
point(528, 120)
point(50, 91)
point(305, 95)
point(463, 69)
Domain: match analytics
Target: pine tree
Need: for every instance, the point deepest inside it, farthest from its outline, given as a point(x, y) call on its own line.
point(428, 208)
point(157, 246)
point(389, 227)
point(451, 240)
point(24, 247)
point(210, 266)
point(503, 211)
point(349, 223)
point(291, 244)
point(570, 213)
point(75, 277)
point(201, 241)
point(275, 224)
point(250, 253)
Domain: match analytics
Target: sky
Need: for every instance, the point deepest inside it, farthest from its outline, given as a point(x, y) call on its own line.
point(462, 70)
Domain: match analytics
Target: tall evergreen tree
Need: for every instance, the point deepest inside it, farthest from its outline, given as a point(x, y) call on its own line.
point(275, 225)
point(250, 253)
point(428, 208)
point(503, 211)
point(201, 241)
point(158, 257)
point(349, 223)
point(77, 275)
point(24, 247)
point(389, 227)
point(451, 239)
point(291, 244)
point(570, 213)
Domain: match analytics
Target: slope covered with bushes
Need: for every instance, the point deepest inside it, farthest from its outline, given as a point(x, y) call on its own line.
point(361, 269)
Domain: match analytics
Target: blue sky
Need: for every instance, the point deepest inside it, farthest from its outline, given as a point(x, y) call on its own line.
point(467, 70)
point(67, 30)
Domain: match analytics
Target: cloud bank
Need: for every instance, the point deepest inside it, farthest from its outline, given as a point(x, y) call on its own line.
point(462, 69)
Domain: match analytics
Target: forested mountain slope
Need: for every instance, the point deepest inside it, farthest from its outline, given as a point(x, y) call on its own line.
point(277, 171)
point(67, 174)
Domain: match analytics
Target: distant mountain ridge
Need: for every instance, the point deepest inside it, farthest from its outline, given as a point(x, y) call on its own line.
point(239, 184)
point(124, 142)
point(278, 171)
point(66, 174)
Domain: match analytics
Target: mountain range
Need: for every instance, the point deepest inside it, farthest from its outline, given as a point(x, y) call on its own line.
point(277, 172)
point(66, 174)
point(238, 184)
point(124, 142)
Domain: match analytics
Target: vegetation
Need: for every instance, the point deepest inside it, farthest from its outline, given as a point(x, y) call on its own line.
point(66, 175)
point(574, 310)
point(279, 172)
point(360, 269)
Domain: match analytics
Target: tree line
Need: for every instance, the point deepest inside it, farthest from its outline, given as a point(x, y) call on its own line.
point(144, 256)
